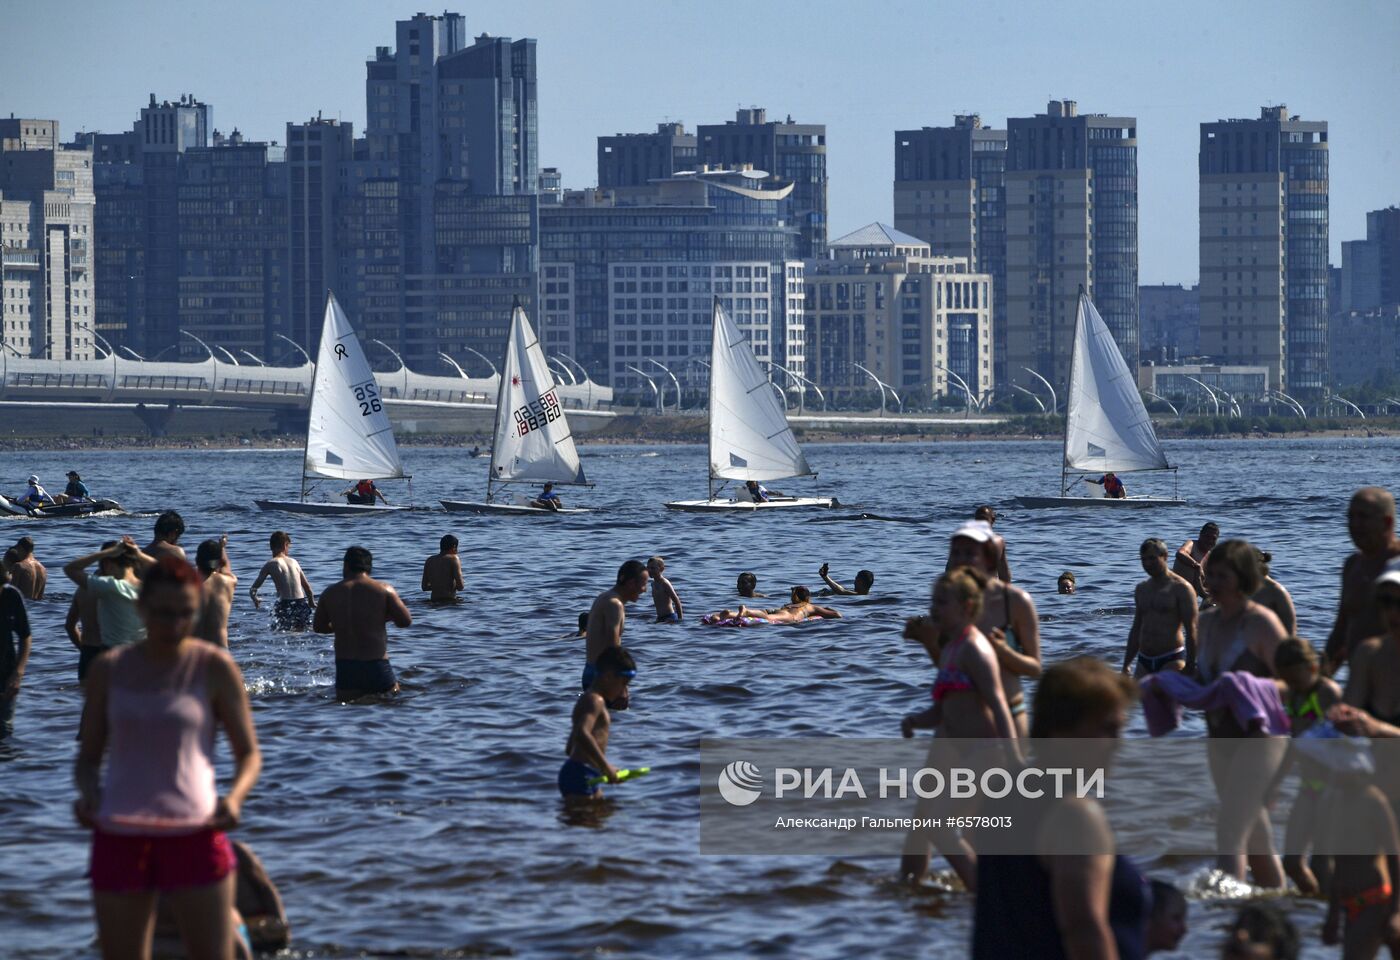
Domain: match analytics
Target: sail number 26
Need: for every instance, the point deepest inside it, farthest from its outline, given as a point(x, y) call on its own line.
point(537, 413)
point(367, 396)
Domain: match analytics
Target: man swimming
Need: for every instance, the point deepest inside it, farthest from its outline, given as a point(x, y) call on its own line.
point(748, 587)
point(170, 526)
point(294, 607)
point(1371, 524)
point(1191, 560)
point(609, 613)
point(356, 610)
point(863, 582)
point(587, 746)
point(663, 594)
point(211, 559)
point(548, 499)
point(442, 573)
point(1067, 583)
point(1163, 634)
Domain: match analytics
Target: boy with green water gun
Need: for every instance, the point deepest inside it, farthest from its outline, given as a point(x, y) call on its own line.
point(587, 747)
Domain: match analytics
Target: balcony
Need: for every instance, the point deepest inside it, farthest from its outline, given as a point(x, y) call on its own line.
point(21, 257)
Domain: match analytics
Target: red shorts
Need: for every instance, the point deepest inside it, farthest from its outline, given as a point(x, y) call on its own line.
point(133, 864)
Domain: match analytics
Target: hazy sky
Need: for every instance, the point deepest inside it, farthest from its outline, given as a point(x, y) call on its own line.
point(863, 69)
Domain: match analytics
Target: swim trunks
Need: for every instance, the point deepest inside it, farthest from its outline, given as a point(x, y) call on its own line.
point(574, 777)
point(672, 617)
point(134, 864)
point(1149, 665)
point(364, 676)
point(590, 673)
point(292, 614)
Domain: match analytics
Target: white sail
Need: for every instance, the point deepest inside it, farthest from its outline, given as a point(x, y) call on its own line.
point(749, 434)
point(532, 440)
point(1106, 425)
point(348, 436)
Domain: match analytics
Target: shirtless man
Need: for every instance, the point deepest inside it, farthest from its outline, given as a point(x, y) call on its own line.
point(442, 573)
point(668, 602)
point(356, 610)
point(294, 604)
point(863, 582)
point(1275, 595)
point(609, 613)
point(170, 526)
point(1008, 618)
point(27, 574)
point(1191, 559)
point(1003, 568)
point(211, 559)
point(1371, 523)
point(800, 608)
point(748, 587)
point(1165, 611)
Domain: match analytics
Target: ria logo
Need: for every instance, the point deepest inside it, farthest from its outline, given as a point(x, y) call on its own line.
point(740, 783)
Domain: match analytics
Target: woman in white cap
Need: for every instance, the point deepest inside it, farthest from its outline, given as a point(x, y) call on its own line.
point(1008, 616)
point(35, 496)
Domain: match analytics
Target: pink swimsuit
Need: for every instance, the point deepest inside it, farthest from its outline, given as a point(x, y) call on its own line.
point(951, 679)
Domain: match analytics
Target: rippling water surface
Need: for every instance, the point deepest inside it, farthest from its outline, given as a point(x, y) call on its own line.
point(430, 826)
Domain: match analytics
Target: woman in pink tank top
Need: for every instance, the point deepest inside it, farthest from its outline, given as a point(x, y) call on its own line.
point(158, 821)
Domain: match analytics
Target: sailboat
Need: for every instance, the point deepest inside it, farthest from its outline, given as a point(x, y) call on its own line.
point(348, 435)
point(532, 443)
point(749, 434)
point(1107, 428)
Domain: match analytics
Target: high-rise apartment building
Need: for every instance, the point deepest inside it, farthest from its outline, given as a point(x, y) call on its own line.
point(318, 154)
point(1264, 269)
point(630, 275)
point(1169, 321)
point(1071, 223)
point(47, 295)
point(885, 301)
point(787, 151)
point(1371, 267)
point(634, 159)
point(949, 190)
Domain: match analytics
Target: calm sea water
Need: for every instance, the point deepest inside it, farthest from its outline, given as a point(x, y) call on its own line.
point(431, 827)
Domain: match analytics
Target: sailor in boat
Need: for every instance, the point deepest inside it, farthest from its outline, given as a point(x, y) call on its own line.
point(76, 489)
point(474, 451)
point(363, 494)
point(758, 493)
point(35, 496)
point(1112, 486)
point(548, 499)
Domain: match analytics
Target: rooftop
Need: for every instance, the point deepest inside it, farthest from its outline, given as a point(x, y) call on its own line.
point(877, 235)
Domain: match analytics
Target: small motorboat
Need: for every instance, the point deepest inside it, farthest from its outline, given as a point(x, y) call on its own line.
point(73, 508)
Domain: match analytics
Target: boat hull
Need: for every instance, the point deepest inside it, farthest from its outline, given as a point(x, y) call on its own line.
point(327, 509)
point(61, 511)
point(504, 509)
point(1124, 503)
point(746, 506)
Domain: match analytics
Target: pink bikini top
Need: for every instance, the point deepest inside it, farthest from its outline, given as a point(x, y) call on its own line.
point(950, 678)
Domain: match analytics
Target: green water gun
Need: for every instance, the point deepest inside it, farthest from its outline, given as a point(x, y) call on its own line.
point(622, 776)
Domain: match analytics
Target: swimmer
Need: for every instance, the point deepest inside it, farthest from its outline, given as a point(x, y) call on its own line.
point(1067, 583)
point(216, 593)
point(1163, 635)
point(1371, 523)
point(170, 526)
point(1275, 595)
point(1166, 924)
point(587, 746)
point(609, 613)
point(294, 607)
point(1307, 697)
point(1191, 559)
point(863, 582)
point(663, 594)
point(582, 624)
point(799, 609)
point(748, 587)
point(356, 610)
point(990, 516)
point(27, 574)
point(442, 573)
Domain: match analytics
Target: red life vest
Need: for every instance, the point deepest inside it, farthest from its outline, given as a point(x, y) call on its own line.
point(365, 488)
point(1112, 487)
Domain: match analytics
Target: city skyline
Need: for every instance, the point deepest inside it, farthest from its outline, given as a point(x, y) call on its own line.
point(873, 76)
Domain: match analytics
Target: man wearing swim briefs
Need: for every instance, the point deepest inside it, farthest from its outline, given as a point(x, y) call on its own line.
point(294, 607)
point(356, 610)
point(609, 613)
point(1163, 635)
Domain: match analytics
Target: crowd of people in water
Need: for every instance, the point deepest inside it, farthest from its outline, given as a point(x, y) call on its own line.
point(1211, 629)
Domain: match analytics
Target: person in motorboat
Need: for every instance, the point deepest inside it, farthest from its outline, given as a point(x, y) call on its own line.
point(1112, 487)
point(474, 452)
point(35, 496)
point(76, 489)
point(363, 494)
point(548, 499)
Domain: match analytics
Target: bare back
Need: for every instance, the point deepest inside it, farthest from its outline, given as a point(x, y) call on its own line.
point(160, 549)
point(442, 577)
point(218, 600)
point(28, 577)
point(605, 622)
point(357, 611)
point(286, 577)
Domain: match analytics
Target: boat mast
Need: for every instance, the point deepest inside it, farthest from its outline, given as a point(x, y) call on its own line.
point(500, 398)
point(710, 400)
point(311, 402)
point(1073, 358)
